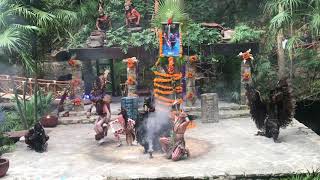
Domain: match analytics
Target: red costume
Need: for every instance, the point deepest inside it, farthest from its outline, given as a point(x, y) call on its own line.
point(175, 146)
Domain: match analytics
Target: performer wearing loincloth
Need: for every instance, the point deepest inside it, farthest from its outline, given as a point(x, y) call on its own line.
point(175, 146)
point(99, 90)
point(102, 122)
point(123, 126)
point(132, 15)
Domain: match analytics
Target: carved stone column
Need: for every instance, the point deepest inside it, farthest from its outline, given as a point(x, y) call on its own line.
point(209, 108)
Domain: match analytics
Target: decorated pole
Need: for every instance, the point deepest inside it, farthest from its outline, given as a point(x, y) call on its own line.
point(131, 76)
point(246, 77)
point(191, 80)
point(76, 85)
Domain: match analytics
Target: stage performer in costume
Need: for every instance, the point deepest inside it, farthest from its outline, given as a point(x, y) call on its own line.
point(99, 90)
point(175, 146)
point(104, 113)
point(132, 15)
point(270, 116)
point(123, 126)
point(103, 22)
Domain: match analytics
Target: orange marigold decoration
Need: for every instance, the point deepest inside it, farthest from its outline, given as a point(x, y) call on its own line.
point(160, 43)
point(163, 92)
point(177, 76)
point(131, 63)
point(72, 62)
point(246, 56)
point(131, 80)
point(161, 80)
point(189, 75)
point(171, 65)
point(193, 59)
point(246, 76)
point(77, 102)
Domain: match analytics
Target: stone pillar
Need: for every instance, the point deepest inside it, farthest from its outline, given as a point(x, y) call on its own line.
point(209, 108)
point(245, 79)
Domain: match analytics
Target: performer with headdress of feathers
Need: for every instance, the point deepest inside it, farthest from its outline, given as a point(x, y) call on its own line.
point(272, 114)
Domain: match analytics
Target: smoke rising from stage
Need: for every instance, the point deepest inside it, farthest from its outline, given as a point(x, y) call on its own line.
point(158, 124)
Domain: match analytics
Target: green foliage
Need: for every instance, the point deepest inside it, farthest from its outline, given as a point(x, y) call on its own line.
point(173, 9)
point(123, 39)
point(28, 107)
point(196, 35)
point(79, 39)
point(310, 175)
point(5, 143)
point(244, 33)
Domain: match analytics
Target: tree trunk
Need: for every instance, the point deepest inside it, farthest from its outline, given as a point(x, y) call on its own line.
point(280, 51)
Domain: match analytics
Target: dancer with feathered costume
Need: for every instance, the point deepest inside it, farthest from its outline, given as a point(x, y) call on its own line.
point(278, 112)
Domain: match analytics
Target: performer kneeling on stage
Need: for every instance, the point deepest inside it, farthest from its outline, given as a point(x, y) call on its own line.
point(102, 123)
point(175, 147)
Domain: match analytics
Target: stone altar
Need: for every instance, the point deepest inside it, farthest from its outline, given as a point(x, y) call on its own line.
point(209, 108)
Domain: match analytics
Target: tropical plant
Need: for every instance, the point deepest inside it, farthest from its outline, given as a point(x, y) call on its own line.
point(28, 108)
point(244, 33)
point(123, 39)
point(5, 143)
point(170, 9)
point(196, 36)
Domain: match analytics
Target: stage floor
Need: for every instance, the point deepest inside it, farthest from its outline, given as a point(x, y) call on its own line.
point(225, 148)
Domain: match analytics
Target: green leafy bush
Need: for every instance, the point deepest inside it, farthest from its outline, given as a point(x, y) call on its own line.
point(196, 35)
point(28, 107)
point(123, 39)
point(244, 33)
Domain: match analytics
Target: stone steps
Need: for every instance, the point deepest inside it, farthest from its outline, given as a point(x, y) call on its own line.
point(82, 119)
point(226, 114)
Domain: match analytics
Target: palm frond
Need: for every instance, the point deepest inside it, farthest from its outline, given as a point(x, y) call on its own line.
point(43, 18)
point(288, 4)
point(12, 39)
point(26, 28)
point(66, 16)
point(315, 22)
point(293, 43)
point(280, 20)
point(170, 9)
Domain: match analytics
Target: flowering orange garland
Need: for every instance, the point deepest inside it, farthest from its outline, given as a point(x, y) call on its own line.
point(189, 75)
point(193, 59)
point(77, 102)
point(168, 92)
point(246, 76)
point(162, 86)
point(160, 80)
point(160, 43)
point(131, 64)
point(171, 65)
point(163, 92)
point(72, 62)
point(167, 75)
point(131, 80)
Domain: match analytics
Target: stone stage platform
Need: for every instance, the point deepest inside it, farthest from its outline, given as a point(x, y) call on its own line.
point(228, 148)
